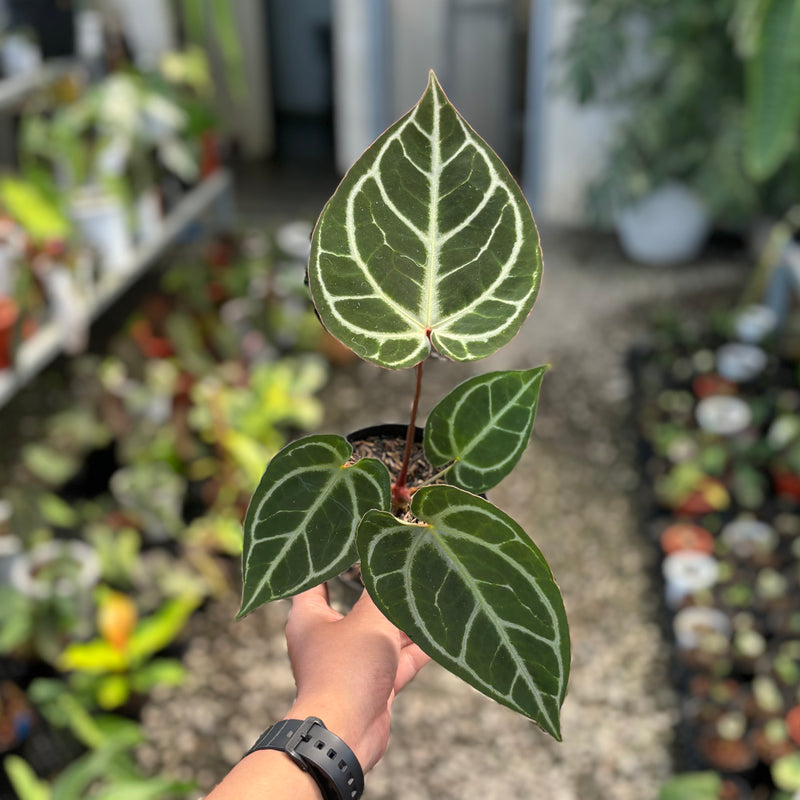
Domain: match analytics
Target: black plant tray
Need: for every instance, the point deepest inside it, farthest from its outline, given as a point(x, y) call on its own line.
point(652, 370)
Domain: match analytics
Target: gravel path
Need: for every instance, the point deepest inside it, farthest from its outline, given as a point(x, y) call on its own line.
point(574, 492)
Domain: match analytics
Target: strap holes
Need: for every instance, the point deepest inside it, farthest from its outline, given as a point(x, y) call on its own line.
point(331, 753)
point(351, 780)
point(343, 765)
point(319, 744)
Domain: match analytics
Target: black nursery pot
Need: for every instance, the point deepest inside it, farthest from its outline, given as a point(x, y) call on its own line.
point(389, 430)
point(349, 585)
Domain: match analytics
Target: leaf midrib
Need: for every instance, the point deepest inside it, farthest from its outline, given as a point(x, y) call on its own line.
point(491, 422)
point(292, 535)
point(434, 245)
point(477, 593)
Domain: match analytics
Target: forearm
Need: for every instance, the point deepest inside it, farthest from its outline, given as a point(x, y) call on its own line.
point(272, 774)
point(267, 775)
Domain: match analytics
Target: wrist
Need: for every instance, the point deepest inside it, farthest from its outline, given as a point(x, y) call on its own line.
point(336, 719)
point(341, 721)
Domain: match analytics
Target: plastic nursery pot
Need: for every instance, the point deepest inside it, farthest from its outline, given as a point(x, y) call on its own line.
point(9, 313)
point(772, 741)
point(102, 220)
point(723, 415)
point(373, 435)
point(686, 536)
point(687, 572)
point(750, 539)
point(702, 627)
point(726, 745)
point(741, 363)
point(367, 442)
point(668, 226)
point(755, 323)
point(793, 724)
point(150, 344)
point(710, 383)
point(786, 484)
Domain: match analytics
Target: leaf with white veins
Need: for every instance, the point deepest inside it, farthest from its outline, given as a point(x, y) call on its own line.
point(483, 425)
point(300, 526)
point(474, 592)
point(427, 239)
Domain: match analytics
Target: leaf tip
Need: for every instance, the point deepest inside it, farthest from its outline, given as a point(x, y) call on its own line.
point(553, 729)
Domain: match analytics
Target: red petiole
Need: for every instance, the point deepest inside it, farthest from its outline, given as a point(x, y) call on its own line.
point(401, 496)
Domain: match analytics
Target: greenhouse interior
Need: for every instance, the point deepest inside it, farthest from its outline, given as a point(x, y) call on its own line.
point(232, 501)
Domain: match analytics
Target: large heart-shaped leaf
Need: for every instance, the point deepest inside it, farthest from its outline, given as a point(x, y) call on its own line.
point(474, 592)
point(300, 527)
point(427, 239)
point(483, 425)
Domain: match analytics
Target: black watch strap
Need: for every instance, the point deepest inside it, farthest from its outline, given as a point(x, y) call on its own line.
point(316, 750)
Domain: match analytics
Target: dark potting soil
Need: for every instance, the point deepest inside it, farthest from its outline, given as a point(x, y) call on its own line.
point(390, 452)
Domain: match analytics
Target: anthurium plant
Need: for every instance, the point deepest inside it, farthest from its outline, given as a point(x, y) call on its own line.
point(427, 245)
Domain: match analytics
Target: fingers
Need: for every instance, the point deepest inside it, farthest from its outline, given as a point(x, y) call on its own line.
point(312, 606)
point(412, 660)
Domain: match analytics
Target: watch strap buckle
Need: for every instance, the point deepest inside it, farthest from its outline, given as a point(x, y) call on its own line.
point(302, 734)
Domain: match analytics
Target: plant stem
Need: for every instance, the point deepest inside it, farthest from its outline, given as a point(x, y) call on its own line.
point(399, 491)
point(438, 475)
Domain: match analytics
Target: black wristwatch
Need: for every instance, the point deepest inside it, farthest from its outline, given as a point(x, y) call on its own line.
point(316, 750)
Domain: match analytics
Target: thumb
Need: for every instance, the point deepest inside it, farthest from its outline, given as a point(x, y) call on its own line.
point(310, 607)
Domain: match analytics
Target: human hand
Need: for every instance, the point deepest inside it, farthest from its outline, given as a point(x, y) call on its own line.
point(348, 669)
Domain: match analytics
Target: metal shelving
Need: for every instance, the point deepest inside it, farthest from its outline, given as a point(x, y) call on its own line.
point(38, 351)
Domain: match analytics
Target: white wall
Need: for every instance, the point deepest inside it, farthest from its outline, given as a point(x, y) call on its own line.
point(573, 139)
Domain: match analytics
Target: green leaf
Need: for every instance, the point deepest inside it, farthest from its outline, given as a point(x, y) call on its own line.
point(484, 426)
point(786, 772)
point(692, 786)
point(94, 657)
point(474, 592)
point(161, 628)
point(159, 672)
point(773, 89)
point(33, 210)
point(155, 788)
point(428, 239)
point(112, 691)
point(24, 780)
point(301, 523)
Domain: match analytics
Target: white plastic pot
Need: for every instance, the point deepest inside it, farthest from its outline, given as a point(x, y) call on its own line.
point(740, 362)
point(149, 216)
point(668, 226)
point(102, 220)
point(686, 572)
point(694, 624)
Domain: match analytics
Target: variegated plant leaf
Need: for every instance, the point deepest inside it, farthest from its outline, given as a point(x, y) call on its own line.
point(474, 592)
point(427, 239)
point(483, 425)
point(300, 527)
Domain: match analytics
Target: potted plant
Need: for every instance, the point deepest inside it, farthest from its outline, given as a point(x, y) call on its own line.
point(427, 244)
point(704, 104)
point(122, 664)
